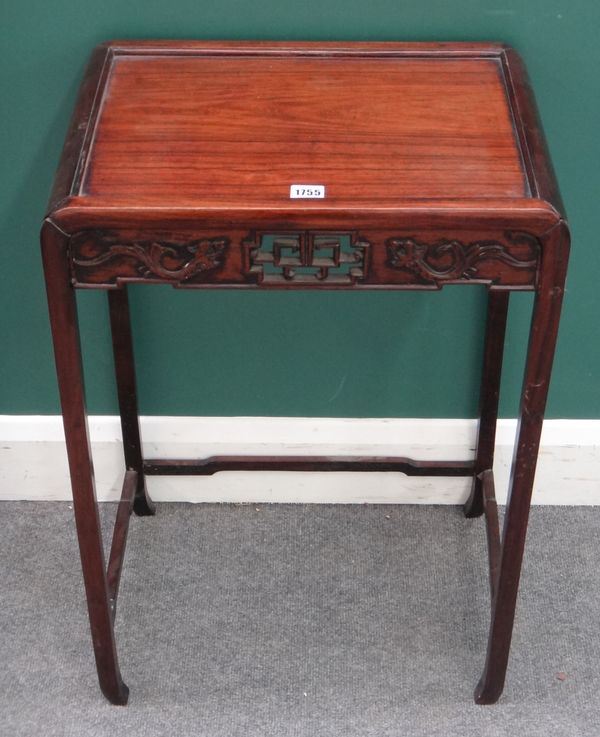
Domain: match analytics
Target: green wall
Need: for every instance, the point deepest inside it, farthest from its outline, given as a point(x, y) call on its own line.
point(322, 354)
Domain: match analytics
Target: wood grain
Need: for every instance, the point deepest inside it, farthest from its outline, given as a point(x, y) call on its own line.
point(177, 169)
point(208, 130)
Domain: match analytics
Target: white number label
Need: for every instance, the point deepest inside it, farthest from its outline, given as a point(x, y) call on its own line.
point(307, 192)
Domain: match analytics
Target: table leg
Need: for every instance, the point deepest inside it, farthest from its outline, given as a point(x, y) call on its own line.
point(65, 334)
point(542, 341)
point(120, 324)
point(489, 396)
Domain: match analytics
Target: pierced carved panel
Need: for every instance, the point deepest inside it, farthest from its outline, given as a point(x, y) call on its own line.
point(305, 257)
point(100, 258)
point(446, 261)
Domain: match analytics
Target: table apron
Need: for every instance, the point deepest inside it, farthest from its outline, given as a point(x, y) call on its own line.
point(311, 258)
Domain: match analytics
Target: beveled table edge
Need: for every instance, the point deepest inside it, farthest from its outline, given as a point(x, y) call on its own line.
point(537, 216)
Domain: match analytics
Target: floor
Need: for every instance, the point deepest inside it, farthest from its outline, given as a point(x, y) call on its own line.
point(299, 620)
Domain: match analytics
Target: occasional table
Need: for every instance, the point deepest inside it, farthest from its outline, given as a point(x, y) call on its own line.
point(304, 166)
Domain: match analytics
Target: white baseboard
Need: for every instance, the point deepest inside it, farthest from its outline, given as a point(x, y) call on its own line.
point(33, 461)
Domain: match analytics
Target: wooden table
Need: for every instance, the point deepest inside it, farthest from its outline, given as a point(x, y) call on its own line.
point(304, 166)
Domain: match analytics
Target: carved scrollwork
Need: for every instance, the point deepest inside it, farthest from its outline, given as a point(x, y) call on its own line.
point(305, 257)
point(453, 260)
point(102, 257)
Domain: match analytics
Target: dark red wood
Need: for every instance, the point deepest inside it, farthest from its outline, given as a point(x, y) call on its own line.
point(489, 396)
point(540, 171)
point(492, 528)
point(540, 353)
point(214, 464)
point(119, 540)
point(177, 169)
point(81, 127)
point(341, 259)
point(127, 393)
point(376, 155)
point(65, 334)
point(421, 144)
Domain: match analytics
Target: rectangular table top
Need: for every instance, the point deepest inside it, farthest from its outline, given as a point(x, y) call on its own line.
point(207, 128)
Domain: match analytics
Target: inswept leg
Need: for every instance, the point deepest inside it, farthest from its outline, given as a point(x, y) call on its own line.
point(65, 334)
point(489, 396)
point(542, 341)
point(127, 392)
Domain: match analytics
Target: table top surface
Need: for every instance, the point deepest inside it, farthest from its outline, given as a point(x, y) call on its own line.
point(211, 127)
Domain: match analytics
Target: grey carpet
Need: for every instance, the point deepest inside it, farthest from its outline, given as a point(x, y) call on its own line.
point(299, 620)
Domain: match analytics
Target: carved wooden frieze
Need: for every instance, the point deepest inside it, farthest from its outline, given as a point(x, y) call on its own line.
point(511, 260)
point(308, 258)
point(101, 258)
